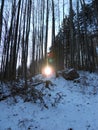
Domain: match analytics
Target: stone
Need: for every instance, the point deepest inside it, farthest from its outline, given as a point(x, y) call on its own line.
point(70, 74)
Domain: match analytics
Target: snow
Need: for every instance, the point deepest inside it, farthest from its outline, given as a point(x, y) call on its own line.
point(70, 105)
point(97, 49)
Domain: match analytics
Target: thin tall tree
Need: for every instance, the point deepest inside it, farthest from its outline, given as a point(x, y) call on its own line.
point(1, 17)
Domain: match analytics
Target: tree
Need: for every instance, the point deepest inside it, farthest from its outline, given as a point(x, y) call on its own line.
point(6, 66)
point(1, 17)
point(47, 19)
point(72, 40)
point(53, 23)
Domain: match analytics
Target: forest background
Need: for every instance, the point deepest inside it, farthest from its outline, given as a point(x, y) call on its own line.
point(29, 27)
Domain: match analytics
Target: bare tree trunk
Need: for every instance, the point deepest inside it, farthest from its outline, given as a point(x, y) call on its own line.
point(14, 58)
point(33, 40)
point(87, 57)
point(53, 23)
point(7, 44)
point(1, 18)
point(47, 19)
point(43, 17)
point(71, 35)
point(78, 36)
point(27, 38)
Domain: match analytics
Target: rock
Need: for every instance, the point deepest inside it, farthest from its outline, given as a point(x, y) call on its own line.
point(70, 74)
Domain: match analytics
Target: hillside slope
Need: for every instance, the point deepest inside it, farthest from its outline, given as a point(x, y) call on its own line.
point(69, 105)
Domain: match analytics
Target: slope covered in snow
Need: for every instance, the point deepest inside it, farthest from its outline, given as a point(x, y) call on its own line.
point(69, 105)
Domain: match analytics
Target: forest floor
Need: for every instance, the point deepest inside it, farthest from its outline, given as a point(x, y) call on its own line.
point(65, 105)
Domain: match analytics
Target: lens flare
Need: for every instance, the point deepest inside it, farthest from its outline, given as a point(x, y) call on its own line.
point(47, 71)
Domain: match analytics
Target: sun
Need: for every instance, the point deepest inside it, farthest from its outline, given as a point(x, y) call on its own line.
point(47, 71)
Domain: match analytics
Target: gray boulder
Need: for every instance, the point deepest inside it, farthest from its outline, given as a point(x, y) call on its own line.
point(70, 74)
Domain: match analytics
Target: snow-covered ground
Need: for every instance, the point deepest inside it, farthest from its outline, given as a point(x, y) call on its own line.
point(71, 105)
